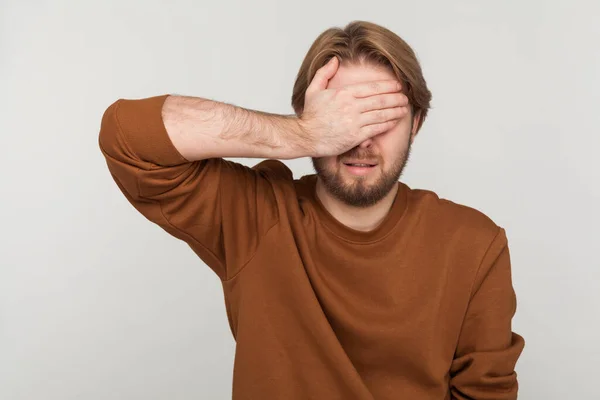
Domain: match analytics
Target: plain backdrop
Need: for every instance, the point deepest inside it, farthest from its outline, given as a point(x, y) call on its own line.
point(97, 303)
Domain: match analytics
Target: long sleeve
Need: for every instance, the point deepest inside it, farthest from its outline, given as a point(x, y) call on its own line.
point(487, 352)
point(220, 208)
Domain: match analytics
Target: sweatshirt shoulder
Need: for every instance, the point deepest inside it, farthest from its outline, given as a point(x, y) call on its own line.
point(274, 169)
point(449, 215)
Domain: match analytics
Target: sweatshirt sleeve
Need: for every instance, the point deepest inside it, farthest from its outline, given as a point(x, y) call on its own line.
point(487, 351)
point(221, 209)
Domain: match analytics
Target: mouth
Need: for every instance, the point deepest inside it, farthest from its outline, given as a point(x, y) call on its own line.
point(360, 165)
point(359, 168)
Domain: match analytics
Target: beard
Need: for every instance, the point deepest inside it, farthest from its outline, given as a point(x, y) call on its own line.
point(357, 191)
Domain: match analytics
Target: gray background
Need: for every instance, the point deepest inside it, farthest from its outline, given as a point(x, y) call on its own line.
point(97, 303)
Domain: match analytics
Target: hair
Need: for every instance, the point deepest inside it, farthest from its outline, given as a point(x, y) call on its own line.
point(365, 42)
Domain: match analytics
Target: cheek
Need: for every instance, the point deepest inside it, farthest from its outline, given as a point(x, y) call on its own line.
point(330, 162)
point(327, 163)
point(392, 144)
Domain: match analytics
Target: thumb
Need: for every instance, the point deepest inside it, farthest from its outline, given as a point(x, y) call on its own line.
point(324, 74)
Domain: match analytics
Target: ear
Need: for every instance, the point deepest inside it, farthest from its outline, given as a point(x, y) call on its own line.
point(414, 126)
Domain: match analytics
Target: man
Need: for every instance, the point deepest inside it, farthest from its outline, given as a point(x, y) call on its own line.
point(346, 284)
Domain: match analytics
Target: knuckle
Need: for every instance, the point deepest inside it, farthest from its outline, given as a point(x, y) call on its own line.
point(346, 108)
point(374, 86)
point(349, 121)
point(343, 94)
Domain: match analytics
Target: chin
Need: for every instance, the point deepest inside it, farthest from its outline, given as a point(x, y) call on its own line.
point(359, 187)
point(361, 191)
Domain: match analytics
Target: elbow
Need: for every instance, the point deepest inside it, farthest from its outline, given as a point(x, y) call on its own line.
point(109, 135)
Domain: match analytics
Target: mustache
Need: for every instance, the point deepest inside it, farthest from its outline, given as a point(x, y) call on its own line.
point(359, 154)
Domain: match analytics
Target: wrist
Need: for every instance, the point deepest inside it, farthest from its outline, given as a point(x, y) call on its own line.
point(292, 138)
point(302, 138)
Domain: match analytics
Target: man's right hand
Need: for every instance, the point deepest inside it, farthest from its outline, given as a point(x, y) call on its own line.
point(337, 120)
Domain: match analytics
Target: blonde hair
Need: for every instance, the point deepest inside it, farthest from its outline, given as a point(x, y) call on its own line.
point(361, 42)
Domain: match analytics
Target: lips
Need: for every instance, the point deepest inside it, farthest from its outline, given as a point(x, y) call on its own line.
point(360, 163)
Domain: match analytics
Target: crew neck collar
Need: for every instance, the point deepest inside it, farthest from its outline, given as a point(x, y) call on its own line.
point(390, 221)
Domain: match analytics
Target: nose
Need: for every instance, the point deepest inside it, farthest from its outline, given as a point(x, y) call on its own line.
point(366, 144)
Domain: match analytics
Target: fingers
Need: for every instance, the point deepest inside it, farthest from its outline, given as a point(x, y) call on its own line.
point(323, 75)
point(382, 116)
point(382, 101)
point(377, 129)
point(373, 88)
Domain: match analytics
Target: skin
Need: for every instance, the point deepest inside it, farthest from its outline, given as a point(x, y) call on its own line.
point(350, 112)
point(362, 199)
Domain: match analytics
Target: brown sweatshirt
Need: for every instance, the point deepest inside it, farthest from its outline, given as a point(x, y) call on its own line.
point(419, 308)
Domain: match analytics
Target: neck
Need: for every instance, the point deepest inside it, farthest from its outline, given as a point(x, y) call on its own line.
point(358, 218)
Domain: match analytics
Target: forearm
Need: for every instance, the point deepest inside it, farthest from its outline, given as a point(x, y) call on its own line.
point(202, 129)
point(487, 349)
